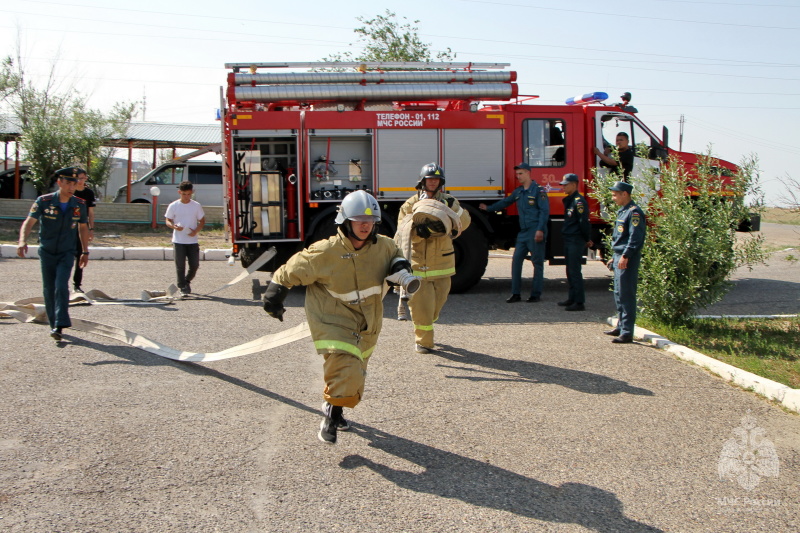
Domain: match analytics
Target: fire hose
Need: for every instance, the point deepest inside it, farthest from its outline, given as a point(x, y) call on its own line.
point(32, 310)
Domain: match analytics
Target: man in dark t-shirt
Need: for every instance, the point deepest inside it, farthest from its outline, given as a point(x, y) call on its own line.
point(624, 166)
point(87, 195)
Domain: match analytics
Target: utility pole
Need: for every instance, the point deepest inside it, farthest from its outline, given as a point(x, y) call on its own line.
point(680, 137)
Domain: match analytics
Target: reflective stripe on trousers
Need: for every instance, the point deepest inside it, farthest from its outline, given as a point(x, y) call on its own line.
point(341, 346)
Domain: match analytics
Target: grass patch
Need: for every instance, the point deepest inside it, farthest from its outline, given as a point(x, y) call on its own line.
point(768, 348)
point(778, 215)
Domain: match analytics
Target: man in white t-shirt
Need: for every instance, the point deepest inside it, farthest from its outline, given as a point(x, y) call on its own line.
point(186, 218)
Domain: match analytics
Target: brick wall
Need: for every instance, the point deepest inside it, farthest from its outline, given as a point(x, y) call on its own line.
point(108, 212)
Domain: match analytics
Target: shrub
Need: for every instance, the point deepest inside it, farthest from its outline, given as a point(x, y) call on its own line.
point(692, 247)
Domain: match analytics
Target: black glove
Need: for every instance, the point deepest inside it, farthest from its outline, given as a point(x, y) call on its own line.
point(450, 202)
point(273, 300)
point(402, 264)
point(423, 230)
point(436, 226)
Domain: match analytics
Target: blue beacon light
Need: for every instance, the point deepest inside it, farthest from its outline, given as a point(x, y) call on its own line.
point(588, 98)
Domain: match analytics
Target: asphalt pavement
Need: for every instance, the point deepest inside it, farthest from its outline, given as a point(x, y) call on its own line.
point(526, 419)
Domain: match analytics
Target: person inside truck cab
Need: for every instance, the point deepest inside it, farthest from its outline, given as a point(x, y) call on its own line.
point(624, 165)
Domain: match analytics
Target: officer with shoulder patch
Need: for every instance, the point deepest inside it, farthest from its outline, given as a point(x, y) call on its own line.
point(575, 234)
point(63, 220)
point(627, 241)
point(533, 207)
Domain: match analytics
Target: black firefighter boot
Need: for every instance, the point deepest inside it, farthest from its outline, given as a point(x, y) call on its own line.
point(329, 424)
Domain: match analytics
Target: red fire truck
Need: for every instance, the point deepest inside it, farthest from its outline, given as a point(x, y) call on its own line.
point(295, 143)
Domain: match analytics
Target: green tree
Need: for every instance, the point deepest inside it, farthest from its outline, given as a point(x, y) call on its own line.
point(692, 246)
point(59, 129)
point(9, 81)
point(385, 38)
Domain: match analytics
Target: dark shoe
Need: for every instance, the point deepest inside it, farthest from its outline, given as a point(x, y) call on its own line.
point(575, 307)
point(77, 288)
point(188, 288)
point(533, 299)
point(327, 428)
point(622, 339)
point(566, 303)
point(613, 332)
point(513, 298)
point(342, 424)
point(56, 334)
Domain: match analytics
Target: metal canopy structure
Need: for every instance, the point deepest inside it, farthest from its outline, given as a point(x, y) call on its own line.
point(9, 128)
point(157, 135)
point(140, 135)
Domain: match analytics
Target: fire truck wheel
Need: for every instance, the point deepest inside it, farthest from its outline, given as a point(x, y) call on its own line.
point(247, 256)
point(324, 230)
point(472, 256)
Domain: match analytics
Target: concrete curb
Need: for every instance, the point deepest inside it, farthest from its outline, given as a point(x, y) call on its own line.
point(10, 250)
point(115, 253)
point(144, 253)
point(118, 253)
point(786, 396)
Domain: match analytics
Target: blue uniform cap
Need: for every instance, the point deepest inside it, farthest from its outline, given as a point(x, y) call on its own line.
point(69, 173)
point(621, 186)
point(569, 178)
point(523, 166)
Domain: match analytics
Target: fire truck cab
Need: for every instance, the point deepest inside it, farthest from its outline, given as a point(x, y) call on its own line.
point(295, 143)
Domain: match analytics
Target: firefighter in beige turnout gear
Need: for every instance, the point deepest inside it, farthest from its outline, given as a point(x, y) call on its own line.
point(344, 276)
point(427, 224)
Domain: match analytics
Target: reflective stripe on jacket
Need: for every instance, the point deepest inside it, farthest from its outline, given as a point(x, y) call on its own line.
point(433, 257)
point(344, 292)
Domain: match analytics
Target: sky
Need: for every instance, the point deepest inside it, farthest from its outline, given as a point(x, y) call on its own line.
point(729, 69)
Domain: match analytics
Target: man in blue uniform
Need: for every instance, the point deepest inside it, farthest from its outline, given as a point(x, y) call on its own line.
point(63, 220)
point(534, 211)
point(575, 234)
point(627, 241)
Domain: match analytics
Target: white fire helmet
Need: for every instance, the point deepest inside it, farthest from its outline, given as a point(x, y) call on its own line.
point(359, 206)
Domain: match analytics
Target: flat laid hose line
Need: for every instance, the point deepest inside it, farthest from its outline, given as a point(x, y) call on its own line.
point(32, 310)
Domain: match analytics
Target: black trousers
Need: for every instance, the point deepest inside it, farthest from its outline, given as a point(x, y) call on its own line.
point(574, 246)
point(77, 276)
point(184, 253)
